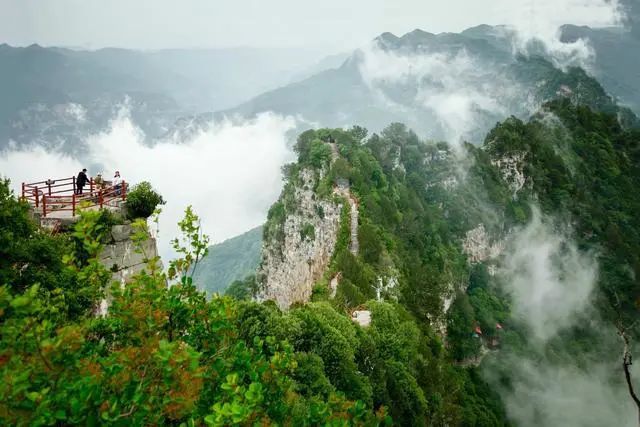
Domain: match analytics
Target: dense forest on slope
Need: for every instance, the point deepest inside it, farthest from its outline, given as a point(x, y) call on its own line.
point(418, 202)
point(169, 355)
point(161, 355)
point(228, 261)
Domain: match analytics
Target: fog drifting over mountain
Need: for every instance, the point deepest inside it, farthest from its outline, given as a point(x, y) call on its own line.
point(551, 285)
point(230, 173)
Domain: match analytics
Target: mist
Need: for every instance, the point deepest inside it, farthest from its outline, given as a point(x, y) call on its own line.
point(549, 281)
point(230, 173)
point(463, 94)
point(535, 27)
point(550, 284)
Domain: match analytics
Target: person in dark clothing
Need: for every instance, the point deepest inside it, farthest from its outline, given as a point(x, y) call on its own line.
point(81, 181)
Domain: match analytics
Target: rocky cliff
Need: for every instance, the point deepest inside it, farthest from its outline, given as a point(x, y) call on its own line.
point(291, 265)
point(124, 257)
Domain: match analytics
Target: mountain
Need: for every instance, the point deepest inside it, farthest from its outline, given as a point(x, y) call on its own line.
point(327, 63)
point(57, 96)
point(231, 260)
point(317, 101)
point(445, 86)
point(614, 63)
point(521, 254)
point(401, 281)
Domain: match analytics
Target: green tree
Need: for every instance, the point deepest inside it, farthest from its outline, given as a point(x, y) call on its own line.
point(142, 201)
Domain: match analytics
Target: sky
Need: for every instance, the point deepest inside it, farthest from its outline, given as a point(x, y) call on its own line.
point(332, 24)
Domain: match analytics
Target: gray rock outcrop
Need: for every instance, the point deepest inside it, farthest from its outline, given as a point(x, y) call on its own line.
point(124, 257)
point(290, 268)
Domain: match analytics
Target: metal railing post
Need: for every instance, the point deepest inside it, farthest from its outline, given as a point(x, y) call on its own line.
point(37, 197)
point(44, 205)
point(73, 178)
point(24, 195)
point(73, 203)
point(49, 185)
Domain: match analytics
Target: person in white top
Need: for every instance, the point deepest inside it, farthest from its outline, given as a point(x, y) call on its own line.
point(117, 183)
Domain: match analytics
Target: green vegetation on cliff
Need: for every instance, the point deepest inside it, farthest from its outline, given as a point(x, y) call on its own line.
point(170, 355)
point(160, 355)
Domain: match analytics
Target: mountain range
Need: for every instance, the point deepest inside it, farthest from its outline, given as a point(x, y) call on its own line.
point(461, 70)
point(56, 96)
point(456, 242)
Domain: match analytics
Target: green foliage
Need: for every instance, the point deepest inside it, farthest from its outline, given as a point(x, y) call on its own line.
point(192, 245)
point(313, 149)
point(460, 327)
point(586, 169)
point(307, 232)
point(409, 232)
point(319, 154)
point(242, 290)
point(380, 365)
point(30, 255)
point(142, 201)
point(274, 228)
point(160, 355)
point(167, 355)
point(229, 261)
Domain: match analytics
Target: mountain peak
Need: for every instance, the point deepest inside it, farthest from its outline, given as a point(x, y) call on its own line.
point(387, 37)
point(418, 33)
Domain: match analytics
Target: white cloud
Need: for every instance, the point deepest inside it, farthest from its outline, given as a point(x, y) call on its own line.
point(457, 90)
point(552, 383)
point(547, 278)
point(538, 21)
point(230, 173)
point(32, 164)
point(552, 394)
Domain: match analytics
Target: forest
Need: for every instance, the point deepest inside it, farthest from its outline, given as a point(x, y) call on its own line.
point(171, 355)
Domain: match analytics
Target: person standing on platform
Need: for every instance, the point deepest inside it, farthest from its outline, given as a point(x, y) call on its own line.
point(81, 181)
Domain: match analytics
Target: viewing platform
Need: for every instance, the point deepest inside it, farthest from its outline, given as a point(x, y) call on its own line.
point(54, 202)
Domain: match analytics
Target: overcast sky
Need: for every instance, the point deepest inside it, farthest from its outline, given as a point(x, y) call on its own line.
point(335, 24)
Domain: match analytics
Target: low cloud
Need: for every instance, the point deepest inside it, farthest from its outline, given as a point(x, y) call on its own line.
point(553, 381)
point(551, 394)
point(460, 92)
point(549, 281)
point(535, 26)
point(230, 172)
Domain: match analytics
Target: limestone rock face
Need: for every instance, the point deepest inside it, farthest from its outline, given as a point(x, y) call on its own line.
point(123, 258)
point(290, 268)
point(511, 168)
point(478, 246)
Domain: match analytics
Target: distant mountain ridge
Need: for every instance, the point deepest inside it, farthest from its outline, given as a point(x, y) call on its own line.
point(617, 60)
point(231, 260)
point(56, 96)
point(444, 86)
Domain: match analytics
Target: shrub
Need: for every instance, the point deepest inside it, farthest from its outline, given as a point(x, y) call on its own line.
point(308, 232)
point(142, 201)
point(319, 154)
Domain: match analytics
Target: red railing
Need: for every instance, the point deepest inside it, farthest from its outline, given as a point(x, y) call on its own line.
point(60, 195)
